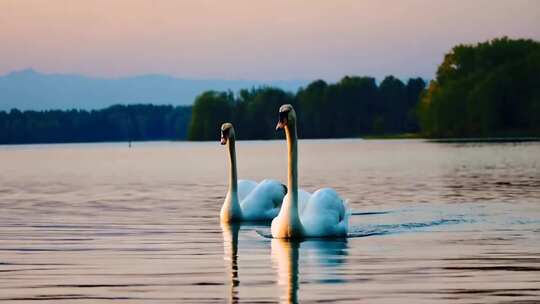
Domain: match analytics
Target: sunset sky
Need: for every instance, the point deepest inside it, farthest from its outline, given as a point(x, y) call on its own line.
point(247, 39)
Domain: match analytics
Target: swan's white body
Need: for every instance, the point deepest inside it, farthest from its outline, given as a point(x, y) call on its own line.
point(254, 202)
point(263, 202)
point(303, 198)
point(245, 187)
point(325, 214)
point(246, 200)
point(321, 214)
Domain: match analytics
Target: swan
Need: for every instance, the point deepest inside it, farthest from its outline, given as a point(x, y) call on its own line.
point(247, 200)
point(321, 214)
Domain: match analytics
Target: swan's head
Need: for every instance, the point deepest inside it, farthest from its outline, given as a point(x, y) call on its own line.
point(287, 116)
point(227, 132)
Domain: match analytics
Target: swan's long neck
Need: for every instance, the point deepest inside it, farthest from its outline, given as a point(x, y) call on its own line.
point(292, 174)
point(233, 177)
point(294, 226)
point(231, 211)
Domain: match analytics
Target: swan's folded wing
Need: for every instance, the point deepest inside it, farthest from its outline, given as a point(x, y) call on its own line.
point(303, 199)
point(245, 187)
point(264, 202)
point(326, 214)
point(276, 191)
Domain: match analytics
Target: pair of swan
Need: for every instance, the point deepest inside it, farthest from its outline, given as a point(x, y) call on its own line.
point(296, 214)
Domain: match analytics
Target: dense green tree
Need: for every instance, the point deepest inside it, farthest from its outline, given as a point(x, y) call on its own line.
point(116, 123)
point(487, 89)
point(261, 112)
point(312, 100)
point(352, 107)
point(393, 104)
point(353, 101)
point(415, 87)
point(210, 110)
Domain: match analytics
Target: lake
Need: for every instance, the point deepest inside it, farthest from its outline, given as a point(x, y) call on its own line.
point(432, 223)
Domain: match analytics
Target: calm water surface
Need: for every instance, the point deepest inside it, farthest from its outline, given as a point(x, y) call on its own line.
point(433, 223)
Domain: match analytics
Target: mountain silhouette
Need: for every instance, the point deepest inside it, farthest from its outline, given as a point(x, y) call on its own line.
point(32, 90)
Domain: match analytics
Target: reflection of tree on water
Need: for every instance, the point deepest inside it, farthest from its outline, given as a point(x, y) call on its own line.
point(285, 256)
point(230, 247)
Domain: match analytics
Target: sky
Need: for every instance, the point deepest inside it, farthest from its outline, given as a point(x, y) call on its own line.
point(251, 39)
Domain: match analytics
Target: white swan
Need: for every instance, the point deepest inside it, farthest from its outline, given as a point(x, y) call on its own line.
point(247, 200)
point(324, 214)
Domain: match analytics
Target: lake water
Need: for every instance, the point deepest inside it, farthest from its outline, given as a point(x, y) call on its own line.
point(433, 223)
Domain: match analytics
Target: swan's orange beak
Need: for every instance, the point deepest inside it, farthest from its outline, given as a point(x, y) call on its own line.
point(281, 124)
point(223, 140)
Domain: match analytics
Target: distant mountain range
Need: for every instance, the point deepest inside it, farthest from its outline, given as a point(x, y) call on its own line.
point(31, 90)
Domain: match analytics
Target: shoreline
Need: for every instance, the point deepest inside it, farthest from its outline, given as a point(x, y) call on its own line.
point(405, 136)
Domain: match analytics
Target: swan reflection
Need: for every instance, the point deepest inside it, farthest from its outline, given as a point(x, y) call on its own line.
point(230, 248)
point(323, 255)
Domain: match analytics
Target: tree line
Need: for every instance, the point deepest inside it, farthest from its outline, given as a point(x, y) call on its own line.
point(488, 89)
point(353, 107)
point(115, 123)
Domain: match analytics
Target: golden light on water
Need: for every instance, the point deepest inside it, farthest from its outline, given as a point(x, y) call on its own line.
point(285, 258)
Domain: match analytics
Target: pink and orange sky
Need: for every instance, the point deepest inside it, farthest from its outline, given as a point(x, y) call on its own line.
point(247, 39)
